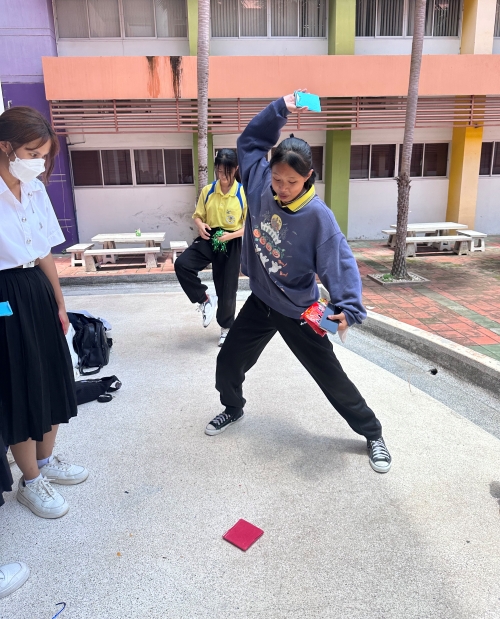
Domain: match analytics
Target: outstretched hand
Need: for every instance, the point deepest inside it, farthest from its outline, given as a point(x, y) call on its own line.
point(290, 101)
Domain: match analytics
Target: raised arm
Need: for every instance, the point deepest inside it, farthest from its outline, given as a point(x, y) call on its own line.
point(260, 135)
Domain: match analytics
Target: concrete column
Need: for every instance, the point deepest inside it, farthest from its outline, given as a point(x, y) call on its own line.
point(341, 27)
point(192, 10)
point(341, 33)
point(477, 26)
point(338, 167)
point(464, 175)
point(477, 38)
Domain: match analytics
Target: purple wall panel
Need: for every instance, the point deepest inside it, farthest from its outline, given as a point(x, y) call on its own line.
point(26, 34)
point(59, 189)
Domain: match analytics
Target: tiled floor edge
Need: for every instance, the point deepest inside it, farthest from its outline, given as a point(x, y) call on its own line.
point(464, 362)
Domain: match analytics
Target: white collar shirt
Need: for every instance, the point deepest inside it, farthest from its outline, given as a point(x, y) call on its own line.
point(28, 229)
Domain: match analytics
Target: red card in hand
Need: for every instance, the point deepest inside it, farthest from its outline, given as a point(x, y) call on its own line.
point(243, 534)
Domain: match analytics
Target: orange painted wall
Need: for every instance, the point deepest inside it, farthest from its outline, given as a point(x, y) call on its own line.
point(137, 77)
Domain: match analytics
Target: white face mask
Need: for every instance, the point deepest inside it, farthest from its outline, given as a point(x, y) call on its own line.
point(26, 170)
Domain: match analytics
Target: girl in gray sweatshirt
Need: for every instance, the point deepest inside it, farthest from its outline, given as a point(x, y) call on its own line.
point(290, 237)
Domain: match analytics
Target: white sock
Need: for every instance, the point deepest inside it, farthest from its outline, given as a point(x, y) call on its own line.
point(32, 481)
point(44, 461)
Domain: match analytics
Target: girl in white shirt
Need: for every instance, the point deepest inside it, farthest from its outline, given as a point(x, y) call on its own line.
point(36, 378)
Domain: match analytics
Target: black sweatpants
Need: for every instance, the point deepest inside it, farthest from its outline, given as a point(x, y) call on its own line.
point(254, 327)
point(225, 269)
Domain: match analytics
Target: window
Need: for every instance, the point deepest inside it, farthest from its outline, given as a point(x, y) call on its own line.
point(360, 161)
point(427, 160)
point(395, 18)
point(496, 32)
point(116, 169)
point(104, 18)
point(86, 167)
point(435, 159)
point(317, 161)
point(383, 160)
point(149, 167)
point(264, 18)
point(138, 18)
point(379, 160)
point(486, 157)
point(179, 166)
point(113, 167)
point(376, 161)
point(83, 19)
point(490, 159)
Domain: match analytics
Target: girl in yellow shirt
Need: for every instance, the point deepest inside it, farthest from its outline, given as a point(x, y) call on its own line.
point(220, 217)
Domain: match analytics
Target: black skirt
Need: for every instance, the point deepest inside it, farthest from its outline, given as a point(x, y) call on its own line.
point(37, 384)
point(5, 474)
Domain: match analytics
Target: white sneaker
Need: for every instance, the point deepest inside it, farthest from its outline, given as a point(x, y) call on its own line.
point(208, 309)
point(12, 576)
point(223, 335)
point(42, 499)
point(60, 472)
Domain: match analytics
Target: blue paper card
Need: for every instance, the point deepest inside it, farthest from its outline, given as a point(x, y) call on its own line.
point(306, 99)
point(5, 308)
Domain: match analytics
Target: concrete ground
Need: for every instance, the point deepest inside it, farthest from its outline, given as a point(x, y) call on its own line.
point(143, 534)
point(461, 301)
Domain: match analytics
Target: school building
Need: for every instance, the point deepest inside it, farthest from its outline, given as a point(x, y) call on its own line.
point(118, 79)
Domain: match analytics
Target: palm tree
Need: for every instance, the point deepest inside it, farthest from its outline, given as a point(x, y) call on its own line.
point(399, 270)
point(202, 69)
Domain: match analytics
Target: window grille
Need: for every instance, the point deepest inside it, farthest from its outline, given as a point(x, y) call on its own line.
point(83, 19)
point(263, 18)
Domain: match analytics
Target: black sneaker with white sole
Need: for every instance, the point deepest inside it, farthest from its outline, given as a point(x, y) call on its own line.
point(222, 422)
point(380, 458)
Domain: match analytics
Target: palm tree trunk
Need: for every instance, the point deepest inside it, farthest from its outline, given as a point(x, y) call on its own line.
point(202, 69)
point(399, 270)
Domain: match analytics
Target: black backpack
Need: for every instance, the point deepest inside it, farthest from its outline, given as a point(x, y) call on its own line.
point(90, 342)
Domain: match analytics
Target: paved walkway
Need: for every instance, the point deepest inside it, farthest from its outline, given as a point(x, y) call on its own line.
point(143, 536)
point(461, 302)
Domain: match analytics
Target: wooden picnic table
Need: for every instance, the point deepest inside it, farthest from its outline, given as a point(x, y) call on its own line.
point(109, 241)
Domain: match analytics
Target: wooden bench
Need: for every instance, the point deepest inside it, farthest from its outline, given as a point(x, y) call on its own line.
point(108, 255)
point(76, 252)
point(177, 247)
point(475, 236)
point(460, 244)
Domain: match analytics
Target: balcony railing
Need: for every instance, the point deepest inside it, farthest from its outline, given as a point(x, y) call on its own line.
point(232, 115)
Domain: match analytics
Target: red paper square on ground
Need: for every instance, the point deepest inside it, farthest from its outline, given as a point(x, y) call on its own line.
point(243, 534)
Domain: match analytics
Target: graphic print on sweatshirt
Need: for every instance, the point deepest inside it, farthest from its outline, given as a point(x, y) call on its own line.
point(268, 242)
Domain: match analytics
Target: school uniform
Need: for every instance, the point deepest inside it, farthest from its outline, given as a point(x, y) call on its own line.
point(5, 474)
point(36, 376)
point(219, 211)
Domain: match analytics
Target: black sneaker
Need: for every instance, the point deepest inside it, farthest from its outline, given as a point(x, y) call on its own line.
point(380, 458)
point(222, 422)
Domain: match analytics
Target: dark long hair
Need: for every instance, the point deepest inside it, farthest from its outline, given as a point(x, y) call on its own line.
point(297, 154)
point(227, 158)
point(21, 125)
